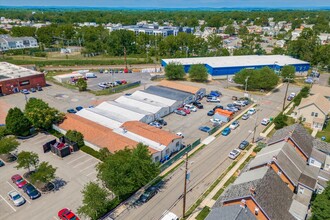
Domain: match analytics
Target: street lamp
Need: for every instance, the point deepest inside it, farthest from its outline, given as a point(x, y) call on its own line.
point(246, 81)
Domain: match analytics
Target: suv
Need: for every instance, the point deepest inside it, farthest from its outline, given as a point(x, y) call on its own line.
point(31, 191)
point(161, 121)
point(243, 145)
point(148, 194)
point(198, 105)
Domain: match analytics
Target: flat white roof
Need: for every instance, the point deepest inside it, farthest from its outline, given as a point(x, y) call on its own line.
point(138, 104)
point(99, 118)
point(121, 112)
point(11, 71)
point(236, 61)
point(159, 99)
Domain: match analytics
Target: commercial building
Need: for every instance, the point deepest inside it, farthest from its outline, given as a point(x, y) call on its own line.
point(14, 78)
point(12, 43)
point(196, 91)
point(182, 97)
point(228, 65)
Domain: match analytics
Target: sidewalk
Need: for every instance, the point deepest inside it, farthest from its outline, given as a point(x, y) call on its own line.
point(208, 201)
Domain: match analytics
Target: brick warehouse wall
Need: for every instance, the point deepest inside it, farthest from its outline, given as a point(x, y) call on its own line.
point(9, 86)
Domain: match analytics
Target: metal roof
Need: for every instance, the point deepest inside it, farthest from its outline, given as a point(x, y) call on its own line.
point(127, 100)
point(8, 70)
point(153, 98)
point(238, 61)
point(168, 93)
point(99, 118)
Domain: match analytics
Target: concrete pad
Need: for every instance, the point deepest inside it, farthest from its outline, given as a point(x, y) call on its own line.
point(208, 140)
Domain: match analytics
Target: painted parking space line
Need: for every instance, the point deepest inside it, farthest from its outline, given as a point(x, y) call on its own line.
point(88, 167)
point(18, 192)
point(91, 173)
point(54, 217)
point(8, 203)
point(82, 162)
point(76, 159)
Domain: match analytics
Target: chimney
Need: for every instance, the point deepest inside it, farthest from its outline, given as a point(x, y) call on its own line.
point(124, 130)
point(274, 158)
point(256, 210)
point(243, 203)
point(252, 191)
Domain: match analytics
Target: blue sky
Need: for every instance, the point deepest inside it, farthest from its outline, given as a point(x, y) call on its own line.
point(170, 3)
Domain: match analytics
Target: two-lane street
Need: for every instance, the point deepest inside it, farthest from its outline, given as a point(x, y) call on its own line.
point(208, 164)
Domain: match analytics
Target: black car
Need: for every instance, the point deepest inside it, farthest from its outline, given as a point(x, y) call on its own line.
point(31, 191)
point(39, 88)
point(162, 121)
point(118, 82)
point(1, 163)
point(243, 145)
point(218, 106)
point(198, 105)
point(33, 89)
point(210, 113)
point(148, 194)
point(237, 106)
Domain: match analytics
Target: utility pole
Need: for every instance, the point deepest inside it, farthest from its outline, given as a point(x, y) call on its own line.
point(185, 187)
point(286, 93)
point(246, 81)
point(255, 125)
point(125, 57)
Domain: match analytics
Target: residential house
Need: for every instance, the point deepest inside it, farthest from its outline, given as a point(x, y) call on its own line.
point(313, 111)
point(280, 43)
point(232, 212)
point(318, 89)
point(324, 38)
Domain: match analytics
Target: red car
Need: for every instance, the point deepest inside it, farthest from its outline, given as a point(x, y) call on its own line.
point(18, 180)
point(187, 111)
point(123, 82)
point(66, 214)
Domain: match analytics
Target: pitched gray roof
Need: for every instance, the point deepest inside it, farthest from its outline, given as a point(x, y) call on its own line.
point(232, 212)
point(318, 155)
point(322, 146)
point(307, 181)
point(272, 195)
point(298, 134)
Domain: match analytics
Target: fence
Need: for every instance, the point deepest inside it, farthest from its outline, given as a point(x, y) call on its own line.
point(180, 154)
point(213, 130)
point(126, 86)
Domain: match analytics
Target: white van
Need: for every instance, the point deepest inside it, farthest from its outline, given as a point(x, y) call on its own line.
point(169, 216)
point(90, 75)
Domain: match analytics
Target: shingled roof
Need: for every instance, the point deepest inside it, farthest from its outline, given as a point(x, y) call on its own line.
point(232, 212)
point(321, 146)
point(298, 134)
point(272, 195)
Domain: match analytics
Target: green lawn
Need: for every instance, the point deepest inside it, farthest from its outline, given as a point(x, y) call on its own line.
point(324, 133)
point(203, 214)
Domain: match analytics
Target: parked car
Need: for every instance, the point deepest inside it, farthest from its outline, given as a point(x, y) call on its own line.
point(1, 163)
point(309, 80)
point(218, 107)
point(226, 131)
point(148, 194)
point(18, 180)
point(292, 94)
point(204, 129)
point(215, 121)
point(123, 82)
point(33, 90)
point(234, 154)
point(25, 91)
point(198, 105)
point(31, 191)
point(210, 113)
point(265, 121)
point(213, 99)
point(243, 145)
point(234, 125)
point(39, 88)
point(231, 108)
point(240, 103)
point(237, 106)
point(179, 112)
point(78, 108)
point(155, 124)
point(161, 121)
point(118, 82)
point(289, 98)
point(251, 111)
point(180, 134)
point(215, 93)
point(234, 98)
point(191, 108)
point(103, 85)
point(16, 198)
point(71, 110)
point(67, 214)
point(245, 116)
point(187, 111)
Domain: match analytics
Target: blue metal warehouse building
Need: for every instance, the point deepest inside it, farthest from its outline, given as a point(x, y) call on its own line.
point(219, 67)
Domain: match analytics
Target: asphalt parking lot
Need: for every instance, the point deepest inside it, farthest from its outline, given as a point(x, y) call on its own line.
point(72, 173)
point(189, 124)
point(92, 83)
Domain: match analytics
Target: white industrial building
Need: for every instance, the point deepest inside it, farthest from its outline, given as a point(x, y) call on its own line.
point(148, 97)
point(125, 112)
point(157, 109)
point(101, 117)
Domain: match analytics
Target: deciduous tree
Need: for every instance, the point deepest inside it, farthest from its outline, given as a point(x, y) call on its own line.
point(26, 160)
point(75, 136)
point(44, 173)
point(288, 73)
point(8, 144)
point(198, 73)
point(321, 205)
point(82, 84)
point(127, 170)
point(95, 201)
point(17, 123)
point(174, 71)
